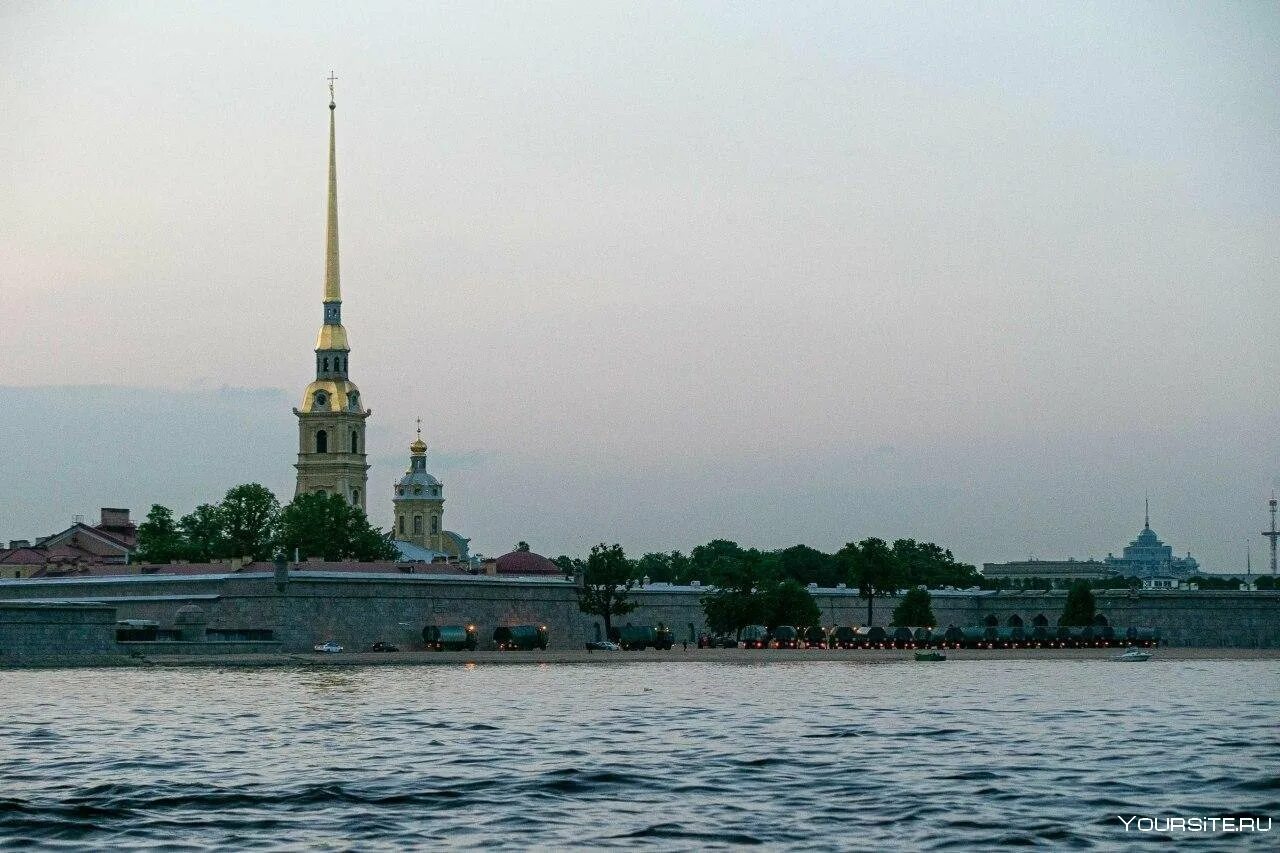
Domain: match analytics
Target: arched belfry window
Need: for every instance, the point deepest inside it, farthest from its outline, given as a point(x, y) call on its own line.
point(322, 442)
point(355, 442)
point(417, 524)
point(355, 497)
point(435, 524)
point(326, 365)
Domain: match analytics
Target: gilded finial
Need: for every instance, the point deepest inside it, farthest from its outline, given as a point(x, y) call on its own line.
point(419, 446)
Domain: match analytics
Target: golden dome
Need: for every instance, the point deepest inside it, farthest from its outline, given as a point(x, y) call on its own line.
point(331, 395)
point(418, 447)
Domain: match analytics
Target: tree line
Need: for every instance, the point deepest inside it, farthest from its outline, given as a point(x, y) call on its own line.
point(250, 522)
point(754, 587)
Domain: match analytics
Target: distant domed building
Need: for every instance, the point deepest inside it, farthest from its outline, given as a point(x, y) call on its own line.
point(1147, 557)
point(418, 529)
point(524, 562)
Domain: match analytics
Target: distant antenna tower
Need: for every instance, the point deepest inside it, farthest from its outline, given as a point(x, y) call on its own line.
point(1272, 533)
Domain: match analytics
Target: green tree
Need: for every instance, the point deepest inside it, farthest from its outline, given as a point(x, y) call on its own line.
point(326, 526)
point(159, 538)
point(728, 611)
point(606, 580)
point(873, 568)
point(703, 557)
point(568, 565)
point(249, 514)
point(202, 528)
point(681, 568)
point(1080, 608)
point(915, 610)
point(809, 565)
point(1265, 582)
point(655, 566)
point(930, 565)
point(790, 603)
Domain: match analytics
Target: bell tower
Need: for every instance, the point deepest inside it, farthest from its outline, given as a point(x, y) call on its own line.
point(419, 503)
point(331, 420)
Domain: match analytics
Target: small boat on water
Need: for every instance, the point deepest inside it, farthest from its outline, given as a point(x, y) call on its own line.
point(929, 655)
point(1133, 654)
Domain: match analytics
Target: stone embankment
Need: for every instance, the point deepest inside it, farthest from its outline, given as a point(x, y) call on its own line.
point(745, 657)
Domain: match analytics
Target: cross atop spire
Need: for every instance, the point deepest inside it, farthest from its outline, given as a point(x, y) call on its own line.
point(419, 446)
point(1146, 521)
point(332, 80)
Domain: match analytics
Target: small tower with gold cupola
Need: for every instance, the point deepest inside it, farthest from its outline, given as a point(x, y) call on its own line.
point(331, 419)
point(419, 503)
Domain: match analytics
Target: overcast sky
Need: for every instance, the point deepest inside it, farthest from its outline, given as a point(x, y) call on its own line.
point(657, 273)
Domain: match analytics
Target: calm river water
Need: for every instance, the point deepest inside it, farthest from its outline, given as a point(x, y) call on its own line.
point(964, 755)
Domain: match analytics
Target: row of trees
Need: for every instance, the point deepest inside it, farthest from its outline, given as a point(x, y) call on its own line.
point(250, 522)
point(753, 587)
point(914, 563)
point(747, 588)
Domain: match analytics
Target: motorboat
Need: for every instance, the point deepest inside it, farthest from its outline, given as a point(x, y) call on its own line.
point(930, 655)
point(328, 648)
point(1133, 654)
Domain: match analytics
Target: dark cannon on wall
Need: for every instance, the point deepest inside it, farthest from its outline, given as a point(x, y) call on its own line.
point(450, 638)
point(520, 638)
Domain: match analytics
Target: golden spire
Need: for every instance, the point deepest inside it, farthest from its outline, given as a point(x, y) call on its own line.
point(419, 447)
point(332, 289)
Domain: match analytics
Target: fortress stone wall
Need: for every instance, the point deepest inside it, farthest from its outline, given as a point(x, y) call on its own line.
point(50, 632)
point(357, 610)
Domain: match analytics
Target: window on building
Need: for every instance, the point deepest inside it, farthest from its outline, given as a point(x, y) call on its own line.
point(355, 497)
point(417, 524)
point(326, 365)
point(435, 524)
point(355, 442)
point(402, 525)
point(322, 442)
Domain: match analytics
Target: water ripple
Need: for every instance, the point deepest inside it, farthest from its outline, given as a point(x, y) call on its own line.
point(972, 756)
